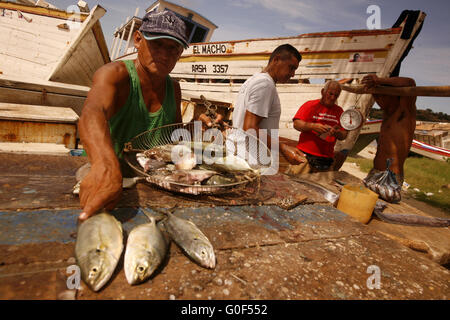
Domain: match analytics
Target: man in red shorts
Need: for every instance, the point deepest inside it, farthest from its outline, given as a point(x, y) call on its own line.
point(318, 122)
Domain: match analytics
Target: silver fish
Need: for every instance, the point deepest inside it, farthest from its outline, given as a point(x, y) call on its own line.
point(193, 242)
point(219, 180)
point(231, 163)
point(190, 176)
point(149, 164)
point(98, 249)
point(169, 153)
point(145, 251)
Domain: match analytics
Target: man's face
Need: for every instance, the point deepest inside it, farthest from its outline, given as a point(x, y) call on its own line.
point(158, 56)
point(285, 68)
point(330, 95)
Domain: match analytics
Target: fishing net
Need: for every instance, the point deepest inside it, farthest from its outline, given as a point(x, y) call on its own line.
point(209, 146)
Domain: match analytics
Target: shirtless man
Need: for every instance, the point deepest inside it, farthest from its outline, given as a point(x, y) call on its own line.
point(397, 129)
point(128, 98)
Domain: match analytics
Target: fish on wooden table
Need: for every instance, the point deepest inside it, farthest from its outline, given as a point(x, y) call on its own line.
point(145, 251)
point(98, 249)
point(189, 238)
point(396, 218)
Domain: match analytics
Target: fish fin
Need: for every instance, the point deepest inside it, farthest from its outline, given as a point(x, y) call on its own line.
point(162, 214)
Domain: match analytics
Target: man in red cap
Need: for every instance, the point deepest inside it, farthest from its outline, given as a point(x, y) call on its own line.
point(128, 98)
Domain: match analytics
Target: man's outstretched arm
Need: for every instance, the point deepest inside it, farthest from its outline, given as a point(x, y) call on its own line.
point(102, 186)
point(372, 80)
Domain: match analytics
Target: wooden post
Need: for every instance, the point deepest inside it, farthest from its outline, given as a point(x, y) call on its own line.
point(121, 38)
point(130, 34)
point(84, 7)
point(430, 91)
point(114, 43)
point(114, 54)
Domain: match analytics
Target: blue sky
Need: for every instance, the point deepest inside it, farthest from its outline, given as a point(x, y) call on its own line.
point(428, 62)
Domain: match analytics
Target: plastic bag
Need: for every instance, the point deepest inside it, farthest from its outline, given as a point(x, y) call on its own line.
point(385, 184)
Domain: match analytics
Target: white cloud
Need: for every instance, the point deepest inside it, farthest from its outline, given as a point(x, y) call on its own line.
point(309, 10)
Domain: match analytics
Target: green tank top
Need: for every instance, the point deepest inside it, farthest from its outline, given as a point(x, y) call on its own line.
point(134, 118)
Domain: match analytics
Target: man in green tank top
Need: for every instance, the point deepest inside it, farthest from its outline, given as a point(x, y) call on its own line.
point(127, 98)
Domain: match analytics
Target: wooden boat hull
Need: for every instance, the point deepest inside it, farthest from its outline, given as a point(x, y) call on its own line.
point(50, 44)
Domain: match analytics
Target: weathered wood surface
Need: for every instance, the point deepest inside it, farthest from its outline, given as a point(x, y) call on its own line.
point(311, 252)
point(39, 48)
point(32, 91)
point(25, 112)
point(33, 182)
point(83, 57)
point(38, 124)
point(263, 251)
point(434, 242)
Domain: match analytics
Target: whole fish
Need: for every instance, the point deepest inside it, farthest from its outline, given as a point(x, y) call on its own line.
point(403, 219)
point(98, 249)
point(149, 164)
point(231, 163)
point(193, 242)
point(190, 176)
point(146, 249)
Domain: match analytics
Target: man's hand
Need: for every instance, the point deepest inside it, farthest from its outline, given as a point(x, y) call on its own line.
point(334, 131)
point(321, 128)
point(370, 81)
point(292, 154)
point(208, 122)
point(101, 188)
point(338, 133)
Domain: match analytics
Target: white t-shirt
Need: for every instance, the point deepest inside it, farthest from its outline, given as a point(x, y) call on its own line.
point(259, 96)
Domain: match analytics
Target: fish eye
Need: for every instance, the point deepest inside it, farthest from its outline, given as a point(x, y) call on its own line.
point(94, 269)
point(203, 253)
point(97, 250)
point(141, 269)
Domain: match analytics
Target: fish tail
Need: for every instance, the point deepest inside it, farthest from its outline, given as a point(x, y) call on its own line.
point(161, 215)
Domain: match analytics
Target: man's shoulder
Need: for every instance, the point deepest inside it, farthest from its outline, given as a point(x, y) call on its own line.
point(261, 78)
point(338, 108)
point(311, 103)
point(113, 72)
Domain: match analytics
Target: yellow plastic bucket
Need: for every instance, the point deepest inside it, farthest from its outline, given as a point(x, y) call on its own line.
point(357, 201)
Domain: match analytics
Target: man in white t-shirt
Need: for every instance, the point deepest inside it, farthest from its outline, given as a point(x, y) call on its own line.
point(258, 105)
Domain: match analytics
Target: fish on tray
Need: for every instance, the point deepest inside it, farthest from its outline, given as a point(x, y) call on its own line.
point(145, 251)
point(149, 164)
point(98, 248)
point(194, 177)
point(172, 164)
point(191, 240)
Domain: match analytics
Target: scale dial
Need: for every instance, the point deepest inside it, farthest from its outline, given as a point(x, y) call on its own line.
point(351, 119)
